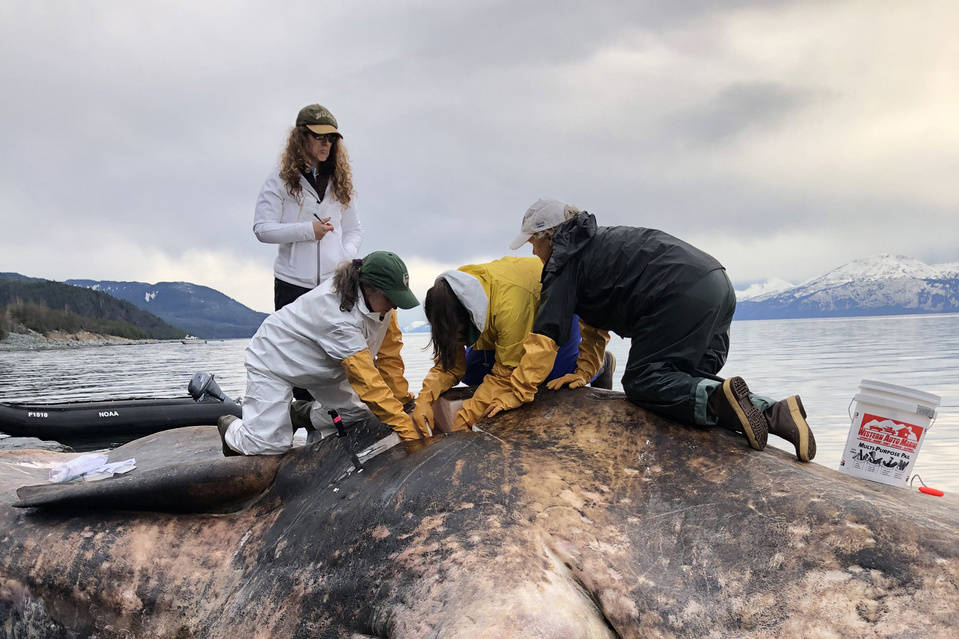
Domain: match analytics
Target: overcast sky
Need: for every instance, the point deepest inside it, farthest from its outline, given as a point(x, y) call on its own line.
point(784, 138)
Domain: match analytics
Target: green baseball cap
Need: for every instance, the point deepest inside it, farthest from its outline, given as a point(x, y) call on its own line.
point(317, 118)
point(387, 272)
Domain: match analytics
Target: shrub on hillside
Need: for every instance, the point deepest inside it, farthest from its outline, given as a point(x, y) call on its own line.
point(114, 314)
point(44, 320)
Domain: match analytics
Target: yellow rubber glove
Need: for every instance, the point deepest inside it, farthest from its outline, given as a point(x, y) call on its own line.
point(496, 384)
point(423, 415)
point(592, 346)
point(438, 380)
point(539, 355)
point(375, 393)
point(571, 379)
point(390, 363)
point(503, 403)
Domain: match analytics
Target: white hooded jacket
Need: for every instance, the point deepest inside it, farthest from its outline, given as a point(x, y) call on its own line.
point(281, 219)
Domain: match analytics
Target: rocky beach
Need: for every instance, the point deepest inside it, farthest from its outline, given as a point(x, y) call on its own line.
point(27, 340)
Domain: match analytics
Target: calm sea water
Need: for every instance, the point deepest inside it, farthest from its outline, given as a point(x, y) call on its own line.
point(823, 360)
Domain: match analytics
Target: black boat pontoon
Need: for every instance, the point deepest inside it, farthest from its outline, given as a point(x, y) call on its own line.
point(76, 423)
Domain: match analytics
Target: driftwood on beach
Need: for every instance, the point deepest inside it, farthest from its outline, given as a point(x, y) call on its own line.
point(580, 515)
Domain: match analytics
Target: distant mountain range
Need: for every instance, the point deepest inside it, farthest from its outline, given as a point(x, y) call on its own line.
point(203, 311)
point(417, 326)
point(881, 285)
point(46, 306)
point(199, 310)
point(21, 278)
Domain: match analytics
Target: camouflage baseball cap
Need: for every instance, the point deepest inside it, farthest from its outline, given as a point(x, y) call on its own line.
point(317, 118)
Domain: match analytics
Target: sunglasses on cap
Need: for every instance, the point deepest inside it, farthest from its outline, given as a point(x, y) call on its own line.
point(329, 137)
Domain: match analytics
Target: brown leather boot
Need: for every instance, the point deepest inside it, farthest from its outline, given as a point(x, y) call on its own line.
point(733, 410)
point(300, 414)
point(604, 379)
point(222, 424)
point(787, 419)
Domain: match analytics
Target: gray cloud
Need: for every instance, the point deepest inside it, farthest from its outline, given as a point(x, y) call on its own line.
point(153, 127)
point(742, 107)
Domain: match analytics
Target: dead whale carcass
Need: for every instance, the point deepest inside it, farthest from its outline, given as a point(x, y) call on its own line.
point(577, 516)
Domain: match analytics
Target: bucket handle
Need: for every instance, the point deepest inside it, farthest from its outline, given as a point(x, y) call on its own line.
point(849, 408)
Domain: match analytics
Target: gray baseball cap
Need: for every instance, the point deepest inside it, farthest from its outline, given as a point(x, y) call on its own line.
point(544, 213)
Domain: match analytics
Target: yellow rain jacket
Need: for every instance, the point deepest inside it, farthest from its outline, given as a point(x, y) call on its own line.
point(501, 297)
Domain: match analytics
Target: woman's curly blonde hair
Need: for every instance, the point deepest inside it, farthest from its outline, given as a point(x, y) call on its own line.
point(294, 159)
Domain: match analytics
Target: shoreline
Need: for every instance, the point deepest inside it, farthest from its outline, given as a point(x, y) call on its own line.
point(33, 341)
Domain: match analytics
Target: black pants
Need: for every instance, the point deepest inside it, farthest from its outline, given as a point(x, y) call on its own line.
point(681, 342)
point(283, 294)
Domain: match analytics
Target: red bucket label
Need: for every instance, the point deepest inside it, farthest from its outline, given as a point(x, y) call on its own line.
point(890, 433)
point(881, 449)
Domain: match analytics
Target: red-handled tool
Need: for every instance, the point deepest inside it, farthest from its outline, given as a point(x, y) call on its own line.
point(926, 489)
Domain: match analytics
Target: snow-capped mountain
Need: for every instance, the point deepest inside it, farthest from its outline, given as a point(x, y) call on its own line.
point(199, 310)
point(878, 267)
point(949, 270)
point(880, 285)
point(762, 290)
point(419, 326)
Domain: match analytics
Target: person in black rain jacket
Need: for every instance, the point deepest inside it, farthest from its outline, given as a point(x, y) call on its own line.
point(671, 299)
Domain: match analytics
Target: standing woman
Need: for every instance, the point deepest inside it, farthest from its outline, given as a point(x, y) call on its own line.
point(306, 207)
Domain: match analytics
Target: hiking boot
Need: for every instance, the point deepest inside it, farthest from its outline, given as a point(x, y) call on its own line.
point(787, 419)
point(222, 424)
point(605, 377)
point(300, 415)
point(733, 410)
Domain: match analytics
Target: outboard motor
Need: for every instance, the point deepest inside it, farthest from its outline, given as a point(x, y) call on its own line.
point(203, 388)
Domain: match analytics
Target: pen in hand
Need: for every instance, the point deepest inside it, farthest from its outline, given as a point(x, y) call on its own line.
point(320, 231)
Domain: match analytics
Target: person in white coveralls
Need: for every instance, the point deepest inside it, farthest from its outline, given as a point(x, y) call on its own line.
point(341, 342)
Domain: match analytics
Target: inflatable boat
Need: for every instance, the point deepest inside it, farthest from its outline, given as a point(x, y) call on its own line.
point(80, 423)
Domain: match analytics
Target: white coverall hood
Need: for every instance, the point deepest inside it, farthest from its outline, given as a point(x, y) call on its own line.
point(469, 291)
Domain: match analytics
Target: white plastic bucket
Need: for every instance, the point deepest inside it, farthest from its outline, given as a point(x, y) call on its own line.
point(888, 427)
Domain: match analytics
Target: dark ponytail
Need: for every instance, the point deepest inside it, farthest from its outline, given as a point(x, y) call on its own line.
point(448, 320)
point(346, 283)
